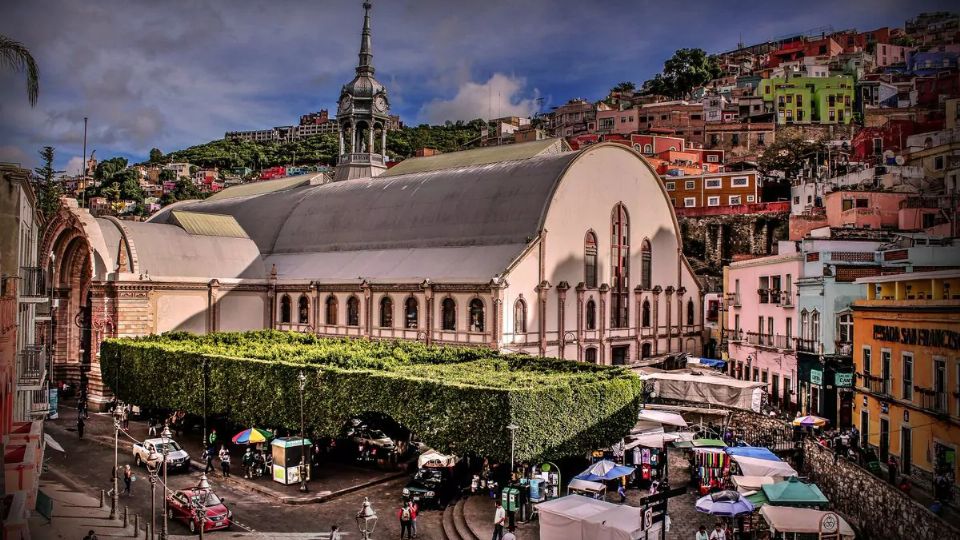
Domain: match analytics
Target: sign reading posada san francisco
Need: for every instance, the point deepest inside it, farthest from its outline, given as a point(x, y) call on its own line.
point(925, 337)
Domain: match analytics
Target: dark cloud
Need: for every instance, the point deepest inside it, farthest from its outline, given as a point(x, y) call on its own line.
point(174, 73)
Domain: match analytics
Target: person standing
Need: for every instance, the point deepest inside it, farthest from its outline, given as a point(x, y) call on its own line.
point(212, 438)
point(702, 534)
point(127, 479)
point(622, 492)
point(892, 469)
point(208, 457)
point(413, 518)
point(80, 426)
point(90, 535)
point(335, 533)
point(499, 519)
point(718, 533)
point(225, 461)
point(406, 517)
point(152, 427)
point(126, 417)
point(247, 462)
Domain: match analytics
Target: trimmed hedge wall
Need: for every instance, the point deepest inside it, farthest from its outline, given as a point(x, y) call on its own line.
point(456, 399)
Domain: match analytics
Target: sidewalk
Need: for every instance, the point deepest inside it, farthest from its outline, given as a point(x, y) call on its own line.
point(75, 513)
point(333, 479)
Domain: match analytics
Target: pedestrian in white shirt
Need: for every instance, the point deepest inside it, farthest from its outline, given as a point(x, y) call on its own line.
point(718, 533)
point(499, 519)
point(702, 534)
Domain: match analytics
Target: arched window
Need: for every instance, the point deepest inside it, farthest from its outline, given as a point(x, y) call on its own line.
point(285, 309)
point(815, 326)
point(804, 325)
point(449, 315)
point(386, 312)
point(648, 149)
point(353, 311)
point(645, 315)
point(646, 260)
point(331, 309)
point(303, 310)
point(591, 315)
point(590, 355)
point(690, 315)
point(645, 350)
point(520, 317)
point(590, 260)
point(411, 313)
point(845, 328)
point(619, 267)
point(476, 315)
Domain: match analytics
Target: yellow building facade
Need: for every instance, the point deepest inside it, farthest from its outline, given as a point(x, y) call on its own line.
point(907, 364)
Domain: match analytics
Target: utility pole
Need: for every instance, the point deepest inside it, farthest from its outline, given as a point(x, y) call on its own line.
point(83, 166)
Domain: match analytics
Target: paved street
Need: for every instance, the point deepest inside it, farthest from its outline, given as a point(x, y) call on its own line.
point(87, 464)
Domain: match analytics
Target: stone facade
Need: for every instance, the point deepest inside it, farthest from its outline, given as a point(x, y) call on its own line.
point(711, 242)
point(878, 509)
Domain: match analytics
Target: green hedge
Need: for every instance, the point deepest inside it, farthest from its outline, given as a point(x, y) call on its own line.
point(456, 399)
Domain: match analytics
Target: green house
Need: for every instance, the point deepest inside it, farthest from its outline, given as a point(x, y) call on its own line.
point(809, 100)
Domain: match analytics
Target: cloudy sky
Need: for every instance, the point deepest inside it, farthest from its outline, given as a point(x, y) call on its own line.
point(174, 73)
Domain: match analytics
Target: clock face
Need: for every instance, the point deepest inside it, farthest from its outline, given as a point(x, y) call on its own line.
point(380, 103)
point(345, 103)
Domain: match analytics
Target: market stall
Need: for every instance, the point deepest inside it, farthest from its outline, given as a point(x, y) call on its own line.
point(751, 466)
point(789, 523)
point(432, 458)
point(709, 465)
point(751, 483)
point(594, 490)
point(793, 492)
point(575, 517)
point(714, 389)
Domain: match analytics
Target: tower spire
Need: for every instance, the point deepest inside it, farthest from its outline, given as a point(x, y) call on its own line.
point(366, 53)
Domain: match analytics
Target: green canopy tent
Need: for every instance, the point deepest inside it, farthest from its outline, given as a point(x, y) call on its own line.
point(794, 492)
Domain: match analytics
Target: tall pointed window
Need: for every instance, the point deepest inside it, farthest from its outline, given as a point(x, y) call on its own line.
point(386, 312)
point(411, 313)
point(646, 261)
point(476, 315)
point(590, 260)
point(520, 317)
point(690, 314)
point(285, 309)
point(619, 267)
point(591, 315)
point(449, 314)
point(353, 311)
point(331, 309)
point(645, 316)
point(303, 309)
point(815, 325)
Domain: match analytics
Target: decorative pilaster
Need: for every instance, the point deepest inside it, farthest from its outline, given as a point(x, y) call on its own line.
point(655, 315)
point(427, 288)
point(272, 298)
point(562, 289)
point(669, 322)
point(213, 306)
point(602, 318)
point(580, 290)
point(542, 289)
point(367, 308)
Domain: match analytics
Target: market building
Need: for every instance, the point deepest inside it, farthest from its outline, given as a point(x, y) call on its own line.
point(907, 359)
point(527, 247)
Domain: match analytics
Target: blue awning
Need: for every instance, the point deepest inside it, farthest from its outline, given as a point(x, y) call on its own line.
point(757, 452)
point(709, 362)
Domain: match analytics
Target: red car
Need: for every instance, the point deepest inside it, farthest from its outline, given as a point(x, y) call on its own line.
point(182, 506)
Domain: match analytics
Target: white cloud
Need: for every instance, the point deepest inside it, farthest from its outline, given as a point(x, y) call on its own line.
point(501, 95)
point(73, 165)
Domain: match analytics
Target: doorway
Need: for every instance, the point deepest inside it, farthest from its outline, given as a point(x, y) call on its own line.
point(864, 429)
point(619, 354)
point(906, 449)
point(884, 440)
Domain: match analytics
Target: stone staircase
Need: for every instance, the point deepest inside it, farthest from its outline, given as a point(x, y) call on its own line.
point(455, 525)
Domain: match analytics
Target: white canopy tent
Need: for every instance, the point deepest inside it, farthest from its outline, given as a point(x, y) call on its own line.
point(575, 517)
point(751, 483)
point(598, 489)
point(708, 389)
point(790, 520)
point(763, 467)
point(432, 458)
point(662, 417)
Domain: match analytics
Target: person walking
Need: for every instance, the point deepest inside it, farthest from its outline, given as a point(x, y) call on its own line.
point(892, 469)
point(702, 534)
point(126, 417)
point(499, 519)
point(80, 424)
point(414, 509)
point(225, 461)
point(127, 479)
point(152, 427)
point(622, 492)
point(247, 462)
point(406, 517)
point(208, 457)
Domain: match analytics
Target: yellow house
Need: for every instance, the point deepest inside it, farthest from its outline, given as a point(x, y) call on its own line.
point(907, 364)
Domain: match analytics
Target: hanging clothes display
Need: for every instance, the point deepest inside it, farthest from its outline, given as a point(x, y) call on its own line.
point(710, 467)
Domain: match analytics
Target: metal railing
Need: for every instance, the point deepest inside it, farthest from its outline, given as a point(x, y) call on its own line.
point(932, 400)
point(33, 282)
point(807, 345)
point(877, 385)
point(770, 340)
point(31, 363)
point(843, 348)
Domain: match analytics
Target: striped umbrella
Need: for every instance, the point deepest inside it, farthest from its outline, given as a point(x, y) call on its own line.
point(252, 435)
point(814, 421)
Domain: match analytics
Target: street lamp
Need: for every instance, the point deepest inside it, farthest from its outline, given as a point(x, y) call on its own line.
point(200, 504)
point(513, 428)
point(153, 469)
point(165, 437)
point(114, 496)
point(366, 519)
point(303, 455)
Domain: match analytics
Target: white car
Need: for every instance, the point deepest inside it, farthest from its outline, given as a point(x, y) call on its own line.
point(151, 451)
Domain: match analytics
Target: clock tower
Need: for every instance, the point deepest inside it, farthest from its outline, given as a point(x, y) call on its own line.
point(363, 116)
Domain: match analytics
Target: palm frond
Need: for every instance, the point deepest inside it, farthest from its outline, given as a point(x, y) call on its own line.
point(16, 56)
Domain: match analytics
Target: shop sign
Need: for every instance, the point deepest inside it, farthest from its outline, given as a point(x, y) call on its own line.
point(925, 337)
point(816, 377)
point(843, 380)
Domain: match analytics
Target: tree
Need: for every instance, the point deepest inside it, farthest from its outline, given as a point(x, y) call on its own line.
point(14, 55)
point(156, 156)
point(184, 190)
point(167, 175)
point(685, 70)
point(46, 187)
point(625, 86)
point(789, 153)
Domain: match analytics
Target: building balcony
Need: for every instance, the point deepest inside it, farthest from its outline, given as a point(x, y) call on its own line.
point(734, 299)
point(33, 283)
point(808, 345)
point(931, 400)
point(842, 348)
point(775, 341)
point(31, 366)
point(875, 385)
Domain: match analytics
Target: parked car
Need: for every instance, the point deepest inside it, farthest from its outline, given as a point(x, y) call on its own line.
point(362, 434)
point(182, 507)
point(151, 451)
point(431, 486)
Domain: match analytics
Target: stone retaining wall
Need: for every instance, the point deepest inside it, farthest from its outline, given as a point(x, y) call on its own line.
point(877, 508)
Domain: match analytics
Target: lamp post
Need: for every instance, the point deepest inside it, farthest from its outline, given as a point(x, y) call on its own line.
point(366, 519)
point(513, 428)
point(165, 437)
point(114, 495)
point(302, 377)
point(203, 487)
point(153, 469)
